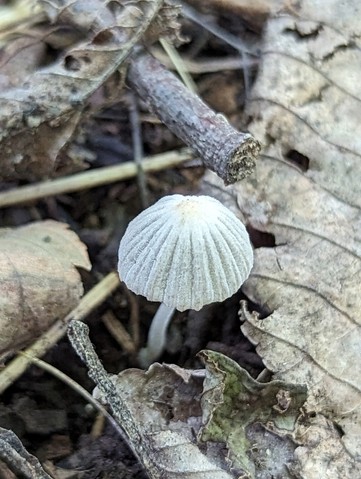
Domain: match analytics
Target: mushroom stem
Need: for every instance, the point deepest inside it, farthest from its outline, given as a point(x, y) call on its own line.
point(156, 336)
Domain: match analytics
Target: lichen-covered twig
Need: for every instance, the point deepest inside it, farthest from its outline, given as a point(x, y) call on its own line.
point(224, 150)
point(78, 334)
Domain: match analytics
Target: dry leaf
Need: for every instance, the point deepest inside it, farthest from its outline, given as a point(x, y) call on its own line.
point(39, 282)
point(39, 118)
point(5, 472)
point(322, 454)
point(233, 414)
point(305, 109)
point(21, 54)
point(164, 407)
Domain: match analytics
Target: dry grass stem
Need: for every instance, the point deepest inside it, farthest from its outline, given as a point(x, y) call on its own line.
point(76, 387)
point(179, 65)
point(91, 179)
point(119, 333)
point(211, 65)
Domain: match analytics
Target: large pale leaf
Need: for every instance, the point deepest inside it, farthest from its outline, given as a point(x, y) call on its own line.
point(306, 110)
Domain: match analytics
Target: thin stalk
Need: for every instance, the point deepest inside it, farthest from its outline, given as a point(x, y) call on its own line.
point(157, 336)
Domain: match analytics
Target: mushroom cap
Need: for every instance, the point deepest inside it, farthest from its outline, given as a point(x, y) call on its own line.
point(185, 251)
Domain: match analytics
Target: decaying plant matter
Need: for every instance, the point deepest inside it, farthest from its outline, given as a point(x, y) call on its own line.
point(210, 403)
point(38, 279)
point(40, 115)
point(305, 108)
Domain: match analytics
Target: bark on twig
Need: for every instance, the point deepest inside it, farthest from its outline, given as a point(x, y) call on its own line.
point(224, 150)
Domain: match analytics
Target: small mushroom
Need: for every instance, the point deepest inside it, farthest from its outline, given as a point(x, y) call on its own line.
point(185, 251)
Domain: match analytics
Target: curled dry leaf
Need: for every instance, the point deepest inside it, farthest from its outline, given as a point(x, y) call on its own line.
point(39, 117)
point(307, 193)
point(39, 282)
point(226, 410)
point(252, 418)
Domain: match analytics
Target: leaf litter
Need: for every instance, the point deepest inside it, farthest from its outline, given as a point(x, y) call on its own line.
point(186, 419)
point(40, 115)
point(250, 417)
point(309, 282)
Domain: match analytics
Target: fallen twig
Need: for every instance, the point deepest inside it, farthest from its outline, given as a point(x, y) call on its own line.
point(78, 334)
point(224, 150)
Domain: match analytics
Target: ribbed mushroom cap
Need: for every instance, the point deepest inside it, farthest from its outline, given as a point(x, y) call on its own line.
point(185, 251)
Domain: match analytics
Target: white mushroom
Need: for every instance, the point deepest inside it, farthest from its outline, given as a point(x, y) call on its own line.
point(185, 251)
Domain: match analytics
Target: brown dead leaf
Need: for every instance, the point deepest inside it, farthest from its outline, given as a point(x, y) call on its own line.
point(305, 109)
point(322, 454)
point(39, 118)
point(5, 472)
point(200, 425)
point(39, 282)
